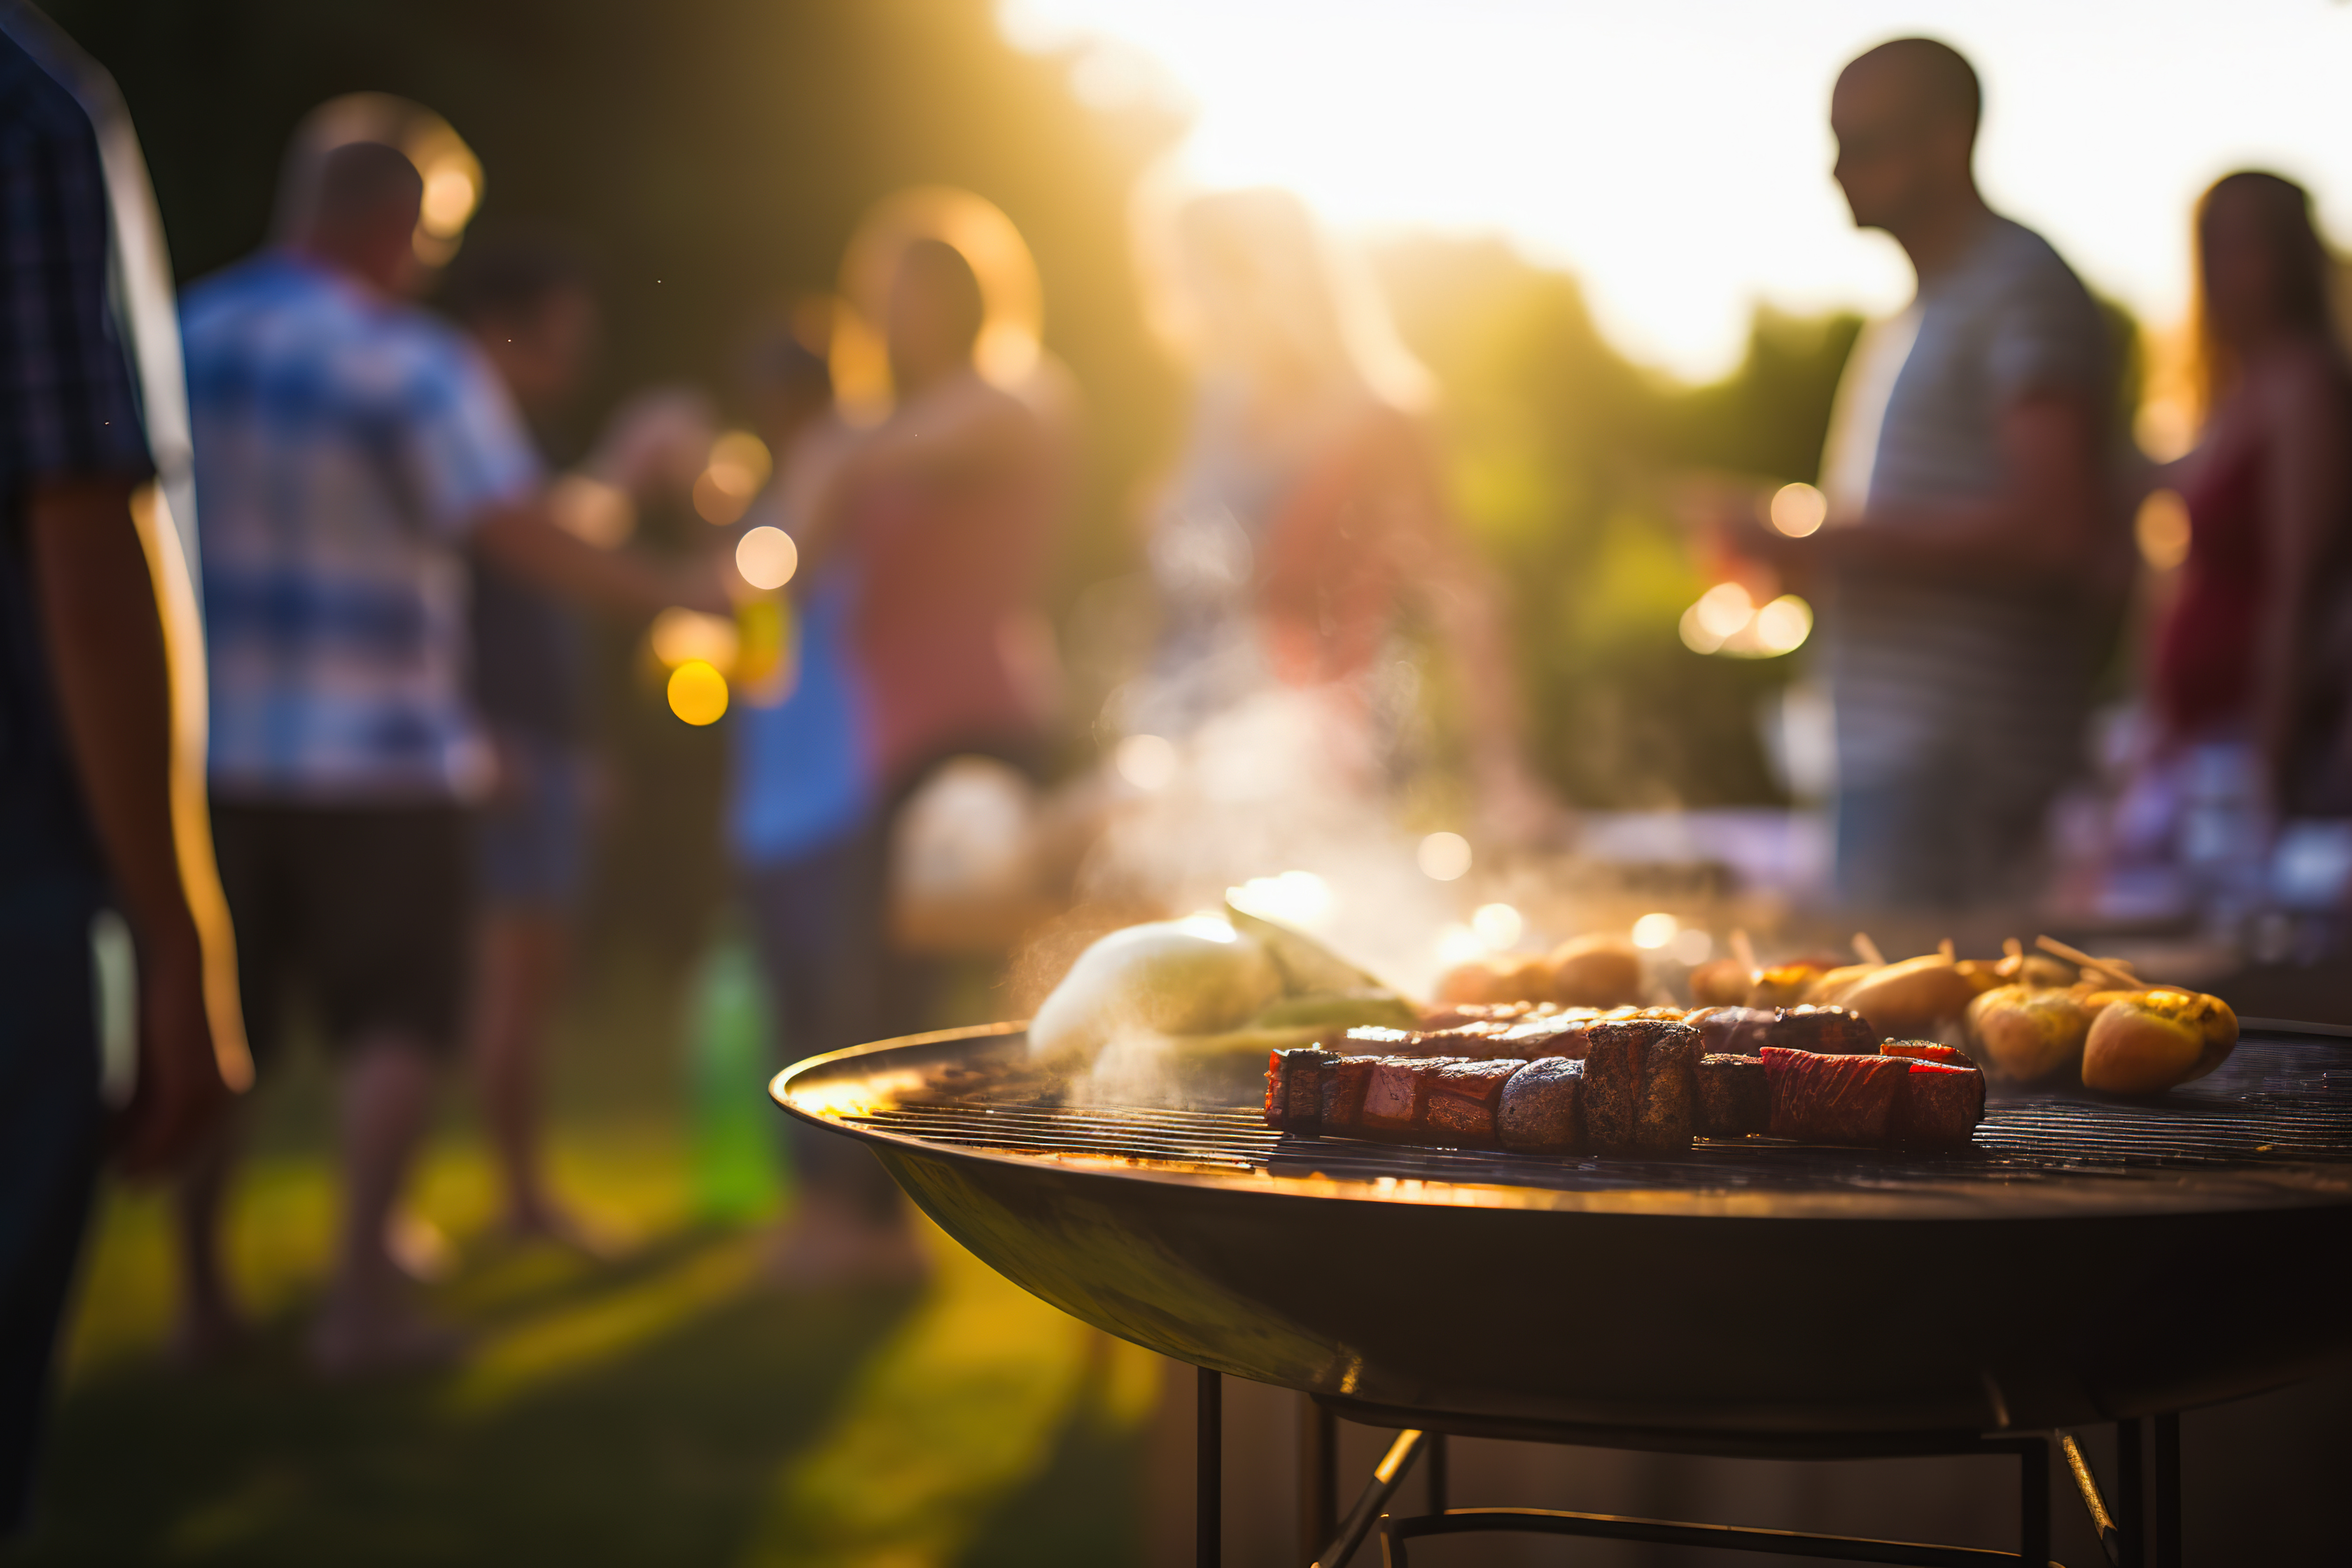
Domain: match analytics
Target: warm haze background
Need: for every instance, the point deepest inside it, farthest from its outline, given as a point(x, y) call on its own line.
point(715, 154)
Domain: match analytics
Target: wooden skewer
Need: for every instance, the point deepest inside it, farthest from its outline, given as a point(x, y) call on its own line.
point(2011, 948)
point(1866, 950)
point(1951, 953)
point(2075, 955)
point(1743, 950)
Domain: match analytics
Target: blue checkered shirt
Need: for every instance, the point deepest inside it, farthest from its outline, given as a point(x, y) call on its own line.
point(345, 447)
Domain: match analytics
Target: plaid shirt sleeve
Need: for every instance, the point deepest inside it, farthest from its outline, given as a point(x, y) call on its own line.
point(67, 403)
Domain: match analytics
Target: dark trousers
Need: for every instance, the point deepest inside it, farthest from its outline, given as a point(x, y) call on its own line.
point(816, 920)
point(49, 1134)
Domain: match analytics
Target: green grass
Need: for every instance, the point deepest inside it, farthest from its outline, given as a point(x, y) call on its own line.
point(666, 1406)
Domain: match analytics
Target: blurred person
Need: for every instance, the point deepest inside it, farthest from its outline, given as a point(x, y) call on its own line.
point(88, 773)
point(1307, 509)
point(1972, 518)
point(2252, 665)
point(350, 448)
point(531, 307)
point(949, 505)
point(802, 803)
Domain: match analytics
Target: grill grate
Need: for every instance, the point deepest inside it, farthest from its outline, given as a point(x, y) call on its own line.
point(2281, 1100)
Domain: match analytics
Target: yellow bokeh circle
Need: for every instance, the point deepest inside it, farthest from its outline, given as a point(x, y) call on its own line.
point(697, 692)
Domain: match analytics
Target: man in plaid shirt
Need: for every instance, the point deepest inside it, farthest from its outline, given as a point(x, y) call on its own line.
point(348, 449)
point(85, 733)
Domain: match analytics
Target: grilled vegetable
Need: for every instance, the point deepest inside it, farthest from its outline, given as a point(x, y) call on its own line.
point(1170, 977)
point(1596, 970)
point(2028, 1035)
point(1913, 997)
point(2148, 1041)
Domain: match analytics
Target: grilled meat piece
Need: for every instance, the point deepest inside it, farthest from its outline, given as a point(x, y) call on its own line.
point(1733, 1031)
point(1458, 1106)
point(1637, 1084)
point(1396, 1099)
point(1541, 1108)
point(1734, 1097)
point(1927, 1051)
point(1827, 1031)
point(1344, 1082)
point(1938, 1104)
point(1303, 1089)
point(1278, 1091)
point(1833, 1099)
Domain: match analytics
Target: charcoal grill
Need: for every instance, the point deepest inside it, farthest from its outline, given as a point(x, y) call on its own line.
point(2084, 1261)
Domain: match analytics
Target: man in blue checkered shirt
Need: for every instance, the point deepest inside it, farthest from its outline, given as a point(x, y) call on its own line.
point(86, 727)
point(349, 448)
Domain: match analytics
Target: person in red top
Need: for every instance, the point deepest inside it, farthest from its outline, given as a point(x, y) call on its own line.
point(2250, 682)
point(2269, 490)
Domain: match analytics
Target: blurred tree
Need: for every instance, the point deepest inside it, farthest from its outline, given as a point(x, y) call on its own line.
point(1565, 454)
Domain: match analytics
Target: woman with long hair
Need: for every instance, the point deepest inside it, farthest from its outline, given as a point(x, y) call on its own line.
point(2254, 643)
point(2251, 647)
point(2250, 681)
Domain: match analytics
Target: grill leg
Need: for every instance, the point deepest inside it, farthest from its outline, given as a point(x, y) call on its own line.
point(2131, 1494)
point(2166, 1534)
point(2033, 1503)
point(1208, 1478)
point(1318, 1477)
point(1436, 1465)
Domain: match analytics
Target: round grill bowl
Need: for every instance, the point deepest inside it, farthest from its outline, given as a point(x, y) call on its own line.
point(2087, 1262)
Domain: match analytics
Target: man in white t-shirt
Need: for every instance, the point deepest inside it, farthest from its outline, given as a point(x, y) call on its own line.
point(1970, 510)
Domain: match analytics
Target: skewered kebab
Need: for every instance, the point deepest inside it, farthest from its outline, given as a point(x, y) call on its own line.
point(1636, 1085)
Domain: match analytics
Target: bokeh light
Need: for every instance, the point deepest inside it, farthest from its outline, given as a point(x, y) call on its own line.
point(1691, 945)
point(1799, 511)
point(1654, 931)
point(680, 636)
point(767, 557)
point(1444, 857)
point(449, 195)
point(1146, 762)
point(1780, 627)
point(1497, 925)
point(1727, 620)
point(2161, 530)
point(698, 693)
point(1721, 611)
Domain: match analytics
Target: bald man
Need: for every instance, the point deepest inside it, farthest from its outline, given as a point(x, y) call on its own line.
point(1970, 510)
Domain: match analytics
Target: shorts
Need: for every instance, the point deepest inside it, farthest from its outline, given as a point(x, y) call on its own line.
point(532, 839)
point(368, 910)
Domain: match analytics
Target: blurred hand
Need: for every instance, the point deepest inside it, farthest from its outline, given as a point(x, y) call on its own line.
point(180, 1093)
